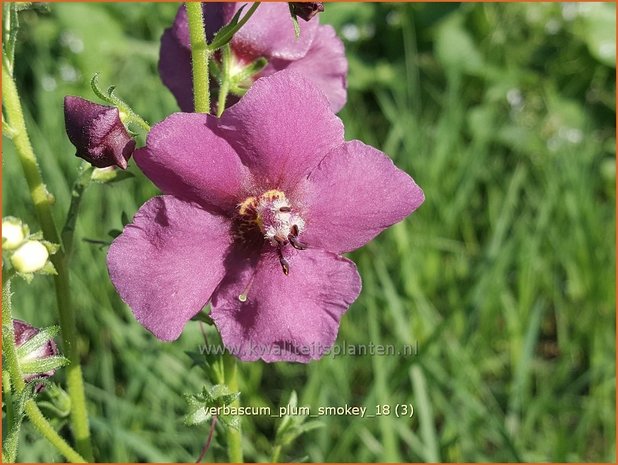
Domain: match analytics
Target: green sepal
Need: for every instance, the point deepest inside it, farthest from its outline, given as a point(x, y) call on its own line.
point(43, 365)
point(110, 175)
point(38, 341)
point(51, 247)
point(54, 400)
point(48, 269)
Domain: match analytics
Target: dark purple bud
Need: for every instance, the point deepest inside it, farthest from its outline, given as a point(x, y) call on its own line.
point(23, 333)
point(306, 10)
point(97, 132)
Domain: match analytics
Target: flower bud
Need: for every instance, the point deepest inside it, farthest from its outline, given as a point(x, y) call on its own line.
point(13, 233)
point(306, 10)
point(30, 257)
point(97, 132)
point(29, 352)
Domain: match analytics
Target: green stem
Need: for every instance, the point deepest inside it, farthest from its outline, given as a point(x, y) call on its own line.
point(199, 57)
point(12, 364)
point(234, 445)
point(276, 454)
point(17, 380)
point(42, 203)
point(77, 192)
point(224, 87)
point(130, 116)
point(47, 431)
point(7, 397)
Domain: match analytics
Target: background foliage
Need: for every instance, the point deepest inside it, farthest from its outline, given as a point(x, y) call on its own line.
point(505, 115)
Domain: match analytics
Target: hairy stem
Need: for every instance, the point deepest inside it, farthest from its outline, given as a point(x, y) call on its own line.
point(42, 203)
point(276, 454)
point(199, 56)
point(234, 445)
point(48, 432)
point(77, 192)
point(17, 380)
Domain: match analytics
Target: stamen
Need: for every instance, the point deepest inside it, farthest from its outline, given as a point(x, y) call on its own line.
point(296, 243)
point(284, 263)
point(285, 209)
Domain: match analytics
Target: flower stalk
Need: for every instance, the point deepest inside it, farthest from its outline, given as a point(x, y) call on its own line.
point(77, 192)
point(16, 379)
point(199, 56)
point(42, 200)
point(234, 444)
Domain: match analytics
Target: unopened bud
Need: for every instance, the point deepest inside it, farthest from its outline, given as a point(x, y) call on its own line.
point(306, 10)
point(97, 133)
point(30, 257)
point(13, 233)
point(32, 351)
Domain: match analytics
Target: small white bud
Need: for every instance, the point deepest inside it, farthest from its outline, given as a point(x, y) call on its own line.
point(30, 257)
point(12, 233)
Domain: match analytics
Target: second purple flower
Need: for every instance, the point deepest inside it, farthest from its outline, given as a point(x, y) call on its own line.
point(318, 54)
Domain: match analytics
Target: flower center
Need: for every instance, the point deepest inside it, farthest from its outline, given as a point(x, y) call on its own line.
point(279, 223)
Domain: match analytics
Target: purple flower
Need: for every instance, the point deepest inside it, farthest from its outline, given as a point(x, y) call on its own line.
point(97, 132)
point(318, 54)
point(23, 333)
point(306, 10)
point(258, 208)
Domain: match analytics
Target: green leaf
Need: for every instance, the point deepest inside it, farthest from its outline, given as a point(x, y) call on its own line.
point(231, 421)
point(298, 430)
point(114, 233)
point(225, 34)
point(293, 426)
point(201, 405)
point(125, 218)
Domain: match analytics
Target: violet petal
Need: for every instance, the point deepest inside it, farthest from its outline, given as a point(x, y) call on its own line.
point(292, 318)
point(282, 128)
point(175, 70)
point(270, 32)
point(187, 159)
point(167, 262)
point(355, 193)
point(325, 65)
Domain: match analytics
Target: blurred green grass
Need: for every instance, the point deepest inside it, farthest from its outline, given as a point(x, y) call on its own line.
point(505, 115)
